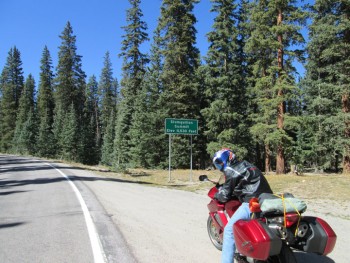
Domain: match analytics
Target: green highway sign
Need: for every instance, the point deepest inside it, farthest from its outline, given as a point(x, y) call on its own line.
point(181, 126)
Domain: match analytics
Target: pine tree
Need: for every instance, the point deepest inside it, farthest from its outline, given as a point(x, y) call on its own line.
point(31, 135)
point(327, 84)
point(107, 94)
point(134, 67)
point(45, 99)
point(122, 136)
point(58, 129)
point(70, 79)
point(26, 126)
point(70, 136)
point(11, 86)
point(46, 143)
point(138, 141)
point(107, 149)
point(45, 107)
point(275, 32)
point(180, 96)
point(247, 61)
point(90, 133)
point(147, 130)
point(225, 116)
point(69, 92)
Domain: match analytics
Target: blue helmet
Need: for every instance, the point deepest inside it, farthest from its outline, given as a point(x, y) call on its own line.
point(222, 157)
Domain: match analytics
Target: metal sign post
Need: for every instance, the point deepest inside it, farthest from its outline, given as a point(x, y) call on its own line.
point(180, 126)
point(191, 160)
point(169, 158)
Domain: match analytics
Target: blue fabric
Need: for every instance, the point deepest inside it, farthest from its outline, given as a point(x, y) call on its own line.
point(222, 157)
point(228, 246)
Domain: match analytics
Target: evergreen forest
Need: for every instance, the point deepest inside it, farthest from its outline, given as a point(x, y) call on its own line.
point(245, 92)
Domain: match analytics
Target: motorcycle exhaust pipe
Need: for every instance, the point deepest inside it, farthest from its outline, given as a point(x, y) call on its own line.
point(302, 230)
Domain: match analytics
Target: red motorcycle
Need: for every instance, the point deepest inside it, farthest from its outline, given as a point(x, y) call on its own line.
point(267, 237)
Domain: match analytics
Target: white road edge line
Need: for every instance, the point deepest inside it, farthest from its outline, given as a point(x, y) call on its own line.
point(96, 246)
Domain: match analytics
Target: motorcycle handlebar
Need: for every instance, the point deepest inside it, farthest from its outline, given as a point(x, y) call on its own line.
point(204, 178)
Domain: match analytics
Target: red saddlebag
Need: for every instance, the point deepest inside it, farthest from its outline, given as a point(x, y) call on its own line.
point(254, 239)
point(322, 238)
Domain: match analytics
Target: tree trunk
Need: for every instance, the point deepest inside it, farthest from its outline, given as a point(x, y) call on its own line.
point(267, 159)
point(280, 110)
point(258, 159)
point(346, 110)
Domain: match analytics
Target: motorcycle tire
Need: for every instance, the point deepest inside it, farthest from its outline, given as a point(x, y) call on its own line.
point(214, 234)
point(285, 256)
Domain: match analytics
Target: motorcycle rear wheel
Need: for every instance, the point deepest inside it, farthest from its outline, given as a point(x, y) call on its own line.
point(214, 234)
point(285, 256)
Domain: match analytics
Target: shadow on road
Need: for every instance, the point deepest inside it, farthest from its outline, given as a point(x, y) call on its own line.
point(303, 257)
point(12, 192)
point(22, 167)
point(11, 183)
point(11, 225)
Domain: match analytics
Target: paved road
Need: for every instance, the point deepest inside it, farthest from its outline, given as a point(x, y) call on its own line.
point(48, 215)
point(41, 219)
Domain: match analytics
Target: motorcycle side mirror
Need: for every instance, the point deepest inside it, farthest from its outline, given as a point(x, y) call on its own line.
point(203, 178)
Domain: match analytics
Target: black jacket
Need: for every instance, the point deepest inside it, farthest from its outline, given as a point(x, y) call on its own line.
point(244, 181)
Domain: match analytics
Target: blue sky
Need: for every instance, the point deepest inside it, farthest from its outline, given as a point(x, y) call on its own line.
point(31, 24)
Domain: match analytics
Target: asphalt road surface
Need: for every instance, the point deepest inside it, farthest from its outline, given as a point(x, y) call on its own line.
point(42, 219)
point(49, 215)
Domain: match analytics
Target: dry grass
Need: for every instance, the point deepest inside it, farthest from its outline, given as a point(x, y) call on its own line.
point(310, 186)
point(332, 187)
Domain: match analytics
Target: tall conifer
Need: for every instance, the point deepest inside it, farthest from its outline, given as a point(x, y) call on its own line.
point(225, 86)
point(134, 67)
point(107, 148)
point(107, 94)
point(90, 146)
point(11, 86)
point(275, 33)
point(180, 95)
point(69, 94)
point(45, 99)
point(70, 78)
point(45, 107)
point(327, 85)
point(24, 140)
point(147, 129)
point(70, 134)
